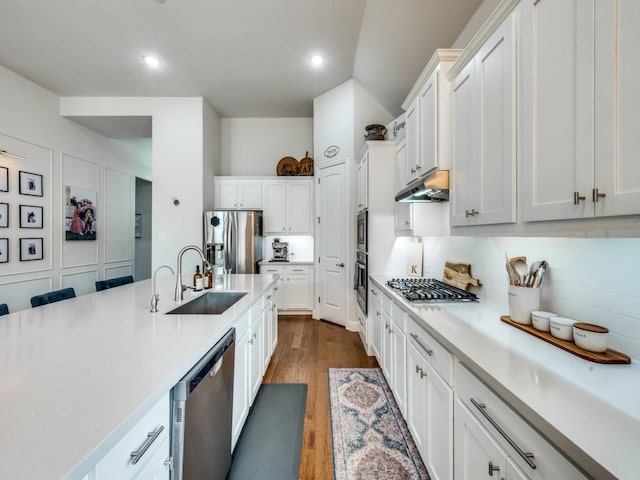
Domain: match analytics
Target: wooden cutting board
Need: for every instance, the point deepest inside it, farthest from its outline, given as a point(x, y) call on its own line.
point(458, 274)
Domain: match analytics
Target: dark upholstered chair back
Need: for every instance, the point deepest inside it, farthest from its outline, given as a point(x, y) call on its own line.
point(4, 309)
point(52, 297)
point(113, 282)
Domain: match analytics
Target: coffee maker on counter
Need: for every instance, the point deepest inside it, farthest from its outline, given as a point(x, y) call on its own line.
point(280, 251)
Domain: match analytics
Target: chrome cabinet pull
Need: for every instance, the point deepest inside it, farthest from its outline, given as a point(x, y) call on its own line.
point(577, 198)
point(136, 455)
point(527, 457)
point(413, 170)
point(427, 350)
point(493, 468)
point(374, 292)
point(471, 213)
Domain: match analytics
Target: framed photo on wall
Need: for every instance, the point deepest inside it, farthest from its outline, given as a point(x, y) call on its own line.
point(30, 216)
point(4, 250)
point(4, 179)
point(31, 249)
point(4, 215)
point(30, 184)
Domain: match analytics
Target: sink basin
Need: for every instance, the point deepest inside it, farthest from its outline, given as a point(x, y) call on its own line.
point(211, 303)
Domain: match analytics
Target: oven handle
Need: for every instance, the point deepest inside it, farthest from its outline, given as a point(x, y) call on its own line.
point(361, 266)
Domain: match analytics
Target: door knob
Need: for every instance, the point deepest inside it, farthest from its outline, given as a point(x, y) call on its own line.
point(341, 265)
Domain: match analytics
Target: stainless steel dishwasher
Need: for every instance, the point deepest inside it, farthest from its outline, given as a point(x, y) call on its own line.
point(202, 414)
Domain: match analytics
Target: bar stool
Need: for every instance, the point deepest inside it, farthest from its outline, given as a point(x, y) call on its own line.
point(52, 297)
point(113, 282)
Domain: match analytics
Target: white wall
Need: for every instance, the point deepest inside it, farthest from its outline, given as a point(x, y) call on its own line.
point(64, 153)
point(254, 146)
point(594, 280)
point(178, 144)
point(485, 9)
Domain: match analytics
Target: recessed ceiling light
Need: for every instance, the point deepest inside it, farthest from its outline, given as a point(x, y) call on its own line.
point(152, 61)
point(317, 60)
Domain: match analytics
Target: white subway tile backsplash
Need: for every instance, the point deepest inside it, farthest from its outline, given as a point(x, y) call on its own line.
point(595, 280)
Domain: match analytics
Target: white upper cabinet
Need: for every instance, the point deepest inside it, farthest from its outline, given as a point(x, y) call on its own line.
point(427, 119)
point(232, 194)
point(483, 187)
point(557, 136)
point(287, 206)
point(581, 109)
point(617, 107)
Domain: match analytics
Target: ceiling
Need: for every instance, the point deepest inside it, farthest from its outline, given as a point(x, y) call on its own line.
point(247, 58)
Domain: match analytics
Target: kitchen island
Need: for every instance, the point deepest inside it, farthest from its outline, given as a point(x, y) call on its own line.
point(589, 411)
point(76, 375)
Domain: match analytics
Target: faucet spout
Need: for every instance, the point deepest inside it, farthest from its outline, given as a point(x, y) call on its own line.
point(179, 286)
point(155, 297)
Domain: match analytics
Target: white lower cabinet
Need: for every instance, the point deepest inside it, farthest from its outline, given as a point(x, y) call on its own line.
point(159, 467)
point(375, 321)
point(430, 402)
point(297, 285)
point(256, 361)
point(149, 438)
point(490, 436)
point(240, 386)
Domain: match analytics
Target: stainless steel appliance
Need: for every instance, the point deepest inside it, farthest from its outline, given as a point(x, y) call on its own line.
point(361, 242)
point(233, 240)
point(426, 290)
point(362, 280)
point(280, 250)
point(431, 187)
point(202, 415)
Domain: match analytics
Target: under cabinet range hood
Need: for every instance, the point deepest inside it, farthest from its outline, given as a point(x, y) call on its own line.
point(433, 187)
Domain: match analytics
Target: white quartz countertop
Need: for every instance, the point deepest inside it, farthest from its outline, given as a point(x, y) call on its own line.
point(77, 374)
point(590, 411)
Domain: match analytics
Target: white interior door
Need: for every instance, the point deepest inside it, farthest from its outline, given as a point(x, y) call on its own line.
point(332, 240)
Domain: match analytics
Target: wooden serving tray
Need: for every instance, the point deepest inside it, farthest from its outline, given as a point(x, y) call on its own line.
point(608, 357)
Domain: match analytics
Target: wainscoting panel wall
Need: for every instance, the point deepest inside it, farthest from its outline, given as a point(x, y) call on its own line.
point(82, 282)
point(119, 216)
point(115, 272)
point(17, 294)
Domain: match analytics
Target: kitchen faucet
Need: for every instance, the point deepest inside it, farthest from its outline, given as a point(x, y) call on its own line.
point(155, 297)
point(179, 286)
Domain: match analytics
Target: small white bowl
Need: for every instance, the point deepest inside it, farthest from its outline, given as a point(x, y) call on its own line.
point(591, 337)
point(562, 327)
point(540, 320)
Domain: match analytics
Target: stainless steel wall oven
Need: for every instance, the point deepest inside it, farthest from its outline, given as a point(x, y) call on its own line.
point(362, 242)
point(362, 280)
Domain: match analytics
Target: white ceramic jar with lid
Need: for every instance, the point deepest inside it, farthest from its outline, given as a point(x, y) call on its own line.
point(593, 338)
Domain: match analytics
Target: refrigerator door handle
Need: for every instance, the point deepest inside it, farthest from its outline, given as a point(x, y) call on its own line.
point(230, 259)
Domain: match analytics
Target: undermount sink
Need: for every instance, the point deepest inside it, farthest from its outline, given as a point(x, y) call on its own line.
point(211, 303)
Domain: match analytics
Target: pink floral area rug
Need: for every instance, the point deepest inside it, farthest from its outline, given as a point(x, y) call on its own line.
point(371, 440)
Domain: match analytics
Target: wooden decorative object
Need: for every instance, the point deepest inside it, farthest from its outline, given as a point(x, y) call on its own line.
point(458, 274)
point(287, 166)
point(305, 166)
point(608, 357)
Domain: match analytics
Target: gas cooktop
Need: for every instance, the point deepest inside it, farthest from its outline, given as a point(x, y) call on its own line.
point(429, 290)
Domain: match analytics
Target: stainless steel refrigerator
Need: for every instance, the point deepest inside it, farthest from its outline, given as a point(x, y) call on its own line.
point(233, 240)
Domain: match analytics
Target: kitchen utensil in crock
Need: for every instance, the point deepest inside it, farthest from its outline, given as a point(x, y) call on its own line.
point(539, 273)
point(510, 271)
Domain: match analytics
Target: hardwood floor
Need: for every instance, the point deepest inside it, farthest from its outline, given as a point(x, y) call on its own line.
point(306, 349)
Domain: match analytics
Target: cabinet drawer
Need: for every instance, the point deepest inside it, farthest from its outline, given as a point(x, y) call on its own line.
point(279, 269)
point(438, 356)
point(375, 294)
point(145, 438)
point(387, 304)
point(242, 325)
point(493, 413)
point(297, 269)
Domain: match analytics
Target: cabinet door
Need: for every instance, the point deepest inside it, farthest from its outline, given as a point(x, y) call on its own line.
point(401, 178)
point(417, 391)
point(265, 348)
point(512, 472)
point(274, 216)
point(158, 467)
point(464, 152)
point(377, 329)
point(398, 364)
point(403, 213)
point(495, 173)
point(240, 387)
point(476, 453)
point(428, 125)
point(299, 207)
point(225, 194)
point(412, 141)
point(617, 107)
point(387, 348)
point(255, 357)
point(250, 195)
point(439, 420)
point(298, 292)
point(363, 170)
point(557, 108)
